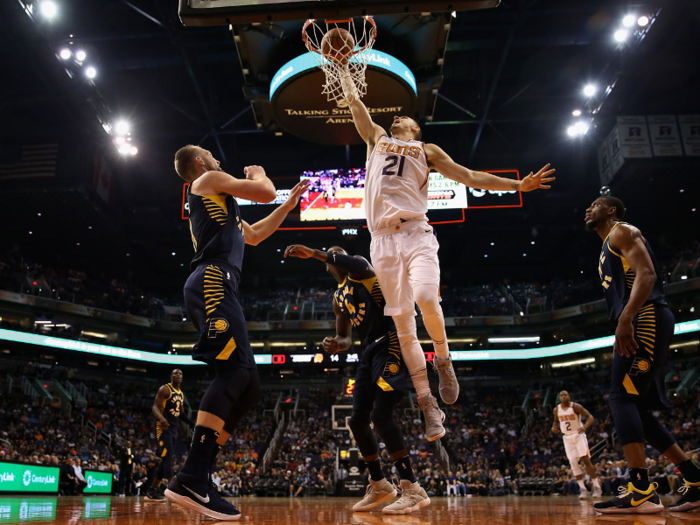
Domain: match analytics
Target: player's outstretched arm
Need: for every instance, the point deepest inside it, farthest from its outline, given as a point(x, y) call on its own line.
point(441, 162)
point(261, 230)
point(356, 267)
point(343, 333)
point(187, 419)
point(628, 241)
point(368, 130)
point(162, 395)
point(586, 414)
point(255, 187)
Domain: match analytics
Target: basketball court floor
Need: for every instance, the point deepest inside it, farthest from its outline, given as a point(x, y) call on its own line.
point(546, 510)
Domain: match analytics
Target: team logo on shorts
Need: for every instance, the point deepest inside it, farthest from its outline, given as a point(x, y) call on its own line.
point(640, 366)
point(390, 369)
point(217, 326)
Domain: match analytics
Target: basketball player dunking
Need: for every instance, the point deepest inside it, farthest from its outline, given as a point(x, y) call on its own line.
point(219, 236)
point(404, 249)
point(568, 415)
point(168, 406)
point(636, 304)
point(381, 378)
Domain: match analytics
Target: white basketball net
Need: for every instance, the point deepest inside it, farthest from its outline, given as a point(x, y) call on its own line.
point(342, 66)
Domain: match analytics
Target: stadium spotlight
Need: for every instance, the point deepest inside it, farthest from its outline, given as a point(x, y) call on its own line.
point(120, 140)
point(124, 149)
point(589, 90)
point(122, 127)
point(621, 35)
point(65, 54)
point(81, 55)
point(133, 150)
point(581, 128)
point(48, 9)
point(91, 72)
point(576, 113)
point(571, 131)
point(628, 21)
point(643, 21)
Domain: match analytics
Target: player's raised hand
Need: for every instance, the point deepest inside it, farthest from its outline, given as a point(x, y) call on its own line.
point(330, 345)
point(538, 181)
point(298, 250)
point(296, 193)
point(251, 172)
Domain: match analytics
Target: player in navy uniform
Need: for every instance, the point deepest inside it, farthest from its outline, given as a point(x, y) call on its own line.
point(219, 236)
point(168, 407)
point(381, 379)
point(636, 304)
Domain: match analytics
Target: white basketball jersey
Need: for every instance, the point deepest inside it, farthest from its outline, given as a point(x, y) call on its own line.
point(396, 186)
point(569, 421)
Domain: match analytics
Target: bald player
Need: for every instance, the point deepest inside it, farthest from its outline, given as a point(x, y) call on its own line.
point(569, 415)
point(168, 407)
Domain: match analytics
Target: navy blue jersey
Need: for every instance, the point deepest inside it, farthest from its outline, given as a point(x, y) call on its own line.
point(171, 409)
point(217, 230)
point(363, 303)
point(617, 278)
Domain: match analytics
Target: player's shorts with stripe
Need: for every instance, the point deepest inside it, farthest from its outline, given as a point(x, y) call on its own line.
point(166, 444)
point(211, 299)
point(576, 446)
point(640, 377)
point(381, 370)
point(404, 256)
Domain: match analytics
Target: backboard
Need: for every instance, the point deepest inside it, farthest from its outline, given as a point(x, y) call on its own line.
point(226, 12)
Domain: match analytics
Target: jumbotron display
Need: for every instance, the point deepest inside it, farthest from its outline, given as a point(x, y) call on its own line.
point(339, 195)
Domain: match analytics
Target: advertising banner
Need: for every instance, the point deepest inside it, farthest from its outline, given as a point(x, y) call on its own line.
point(16, 477)
point(98, 482)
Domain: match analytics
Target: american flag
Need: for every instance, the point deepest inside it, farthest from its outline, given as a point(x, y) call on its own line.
point(28, 161)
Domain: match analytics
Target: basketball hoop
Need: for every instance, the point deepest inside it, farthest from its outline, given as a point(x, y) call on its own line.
point(342, 50)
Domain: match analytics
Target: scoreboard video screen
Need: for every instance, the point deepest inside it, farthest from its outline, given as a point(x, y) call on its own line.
point(339, 195)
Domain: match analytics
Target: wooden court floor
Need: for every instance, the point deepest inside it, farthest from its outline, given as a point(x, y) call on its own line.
point(545, 510)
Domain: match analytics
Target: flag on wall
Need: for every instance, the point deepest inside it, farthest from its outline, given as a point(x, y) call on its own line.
point(28, 161)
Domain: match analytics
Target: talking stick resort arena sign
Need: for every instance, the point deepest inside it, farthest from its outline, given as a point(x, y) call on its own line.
point(301, 109)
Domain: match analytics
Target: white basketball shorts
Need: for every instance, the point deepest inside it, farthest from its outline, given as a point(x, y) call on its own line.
point(576, 447)
point(405, 256)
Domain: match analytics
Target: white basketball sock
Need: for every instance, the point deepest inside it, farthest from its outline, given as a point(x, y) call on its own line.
point(582, 485)
point(596, 483)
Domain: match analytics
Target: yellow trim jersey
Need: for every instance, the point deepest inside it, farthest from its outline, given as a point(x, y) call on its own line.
point(569, 420)
point(172, 407)
point(617, 278)
point(363, 303)
point(216, 229)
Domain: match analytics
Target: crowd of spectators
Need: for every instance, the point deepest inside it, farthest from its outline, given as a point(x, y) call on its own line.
point(287, 301)
point(497, 445)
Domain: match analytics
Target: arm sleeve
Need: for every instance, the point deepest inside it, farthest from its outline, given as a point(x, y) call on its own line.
point(355, 267)
point(186, 419)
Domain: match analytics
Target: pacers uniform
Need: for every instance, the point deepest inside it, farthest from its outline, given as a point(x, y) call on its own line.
point(575, 444)
point(380, 363)
point(211, 291)
point(171, 409)
point(639, 377)
point(404, 248)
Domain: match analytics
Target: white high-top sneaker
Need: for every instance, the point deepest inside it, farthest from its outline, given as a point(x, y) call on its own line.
point(377, 493)
point(413, 498)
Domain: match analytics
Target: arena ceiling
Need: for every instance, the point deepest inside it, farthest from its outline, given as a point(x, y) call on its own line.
point(511, 78)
